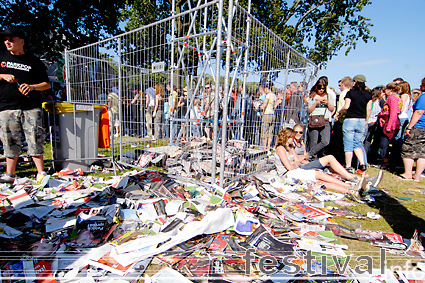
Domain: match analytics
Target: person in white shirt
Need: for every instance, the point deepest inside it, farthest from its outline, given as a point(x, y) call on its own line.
point(268, 117)
point(336, 144)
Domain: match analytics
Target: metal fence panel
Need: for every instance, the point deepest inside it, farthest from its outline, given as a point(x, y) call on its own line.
point(194, 80)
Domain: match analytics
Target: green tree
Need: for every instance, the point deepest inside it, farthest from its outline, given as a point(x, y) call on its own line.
point(53, 25)
point(317, 28)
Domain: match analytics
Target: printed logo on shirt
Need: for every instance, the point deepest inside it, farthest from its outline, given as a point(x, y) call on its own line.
point(16, 66)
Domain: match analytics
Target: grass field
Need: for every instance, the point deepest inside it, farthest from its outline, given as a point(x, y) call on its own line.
point(402, 207)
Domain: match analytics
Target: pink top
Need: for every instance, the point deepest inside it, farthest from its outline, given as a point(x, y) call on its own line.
point(388, 118)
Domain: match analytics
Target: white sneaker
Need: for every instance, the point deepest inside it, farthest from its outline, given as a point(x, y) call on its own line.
point(40, 177)
point(7, 178)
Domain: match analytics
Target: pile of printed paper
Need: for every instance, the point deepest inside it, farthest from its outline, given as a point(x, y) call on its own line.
point(146, 225)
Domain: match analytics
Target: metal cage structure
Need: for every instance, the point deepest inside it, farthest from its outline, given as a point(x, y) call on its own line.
point(195, 76)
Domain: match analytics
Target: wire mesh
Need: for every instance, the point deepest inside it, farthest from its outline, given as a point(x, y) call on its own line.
point(193, 80)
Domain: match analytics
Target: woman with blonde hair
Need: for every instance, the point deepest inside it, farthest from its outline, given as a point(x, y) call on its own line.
point(287, 165)
point(406, 99)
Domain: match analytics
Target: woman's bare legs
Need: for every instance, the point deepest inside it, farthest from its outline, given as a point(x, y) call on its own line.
point(408, 168)
point(420, 166)
point(330, 160)
point(332, 183)
point(360, 156)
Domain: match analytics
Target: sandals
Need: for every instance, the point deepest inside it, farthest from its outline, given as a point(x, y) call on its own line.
point(401, 177)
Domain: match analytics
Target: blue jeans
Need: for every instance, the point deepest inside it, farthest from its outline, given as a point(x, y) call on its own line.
point(174, 130)
point(403, 125)
point(167, 128)
point(354, 134)
point(195, 131)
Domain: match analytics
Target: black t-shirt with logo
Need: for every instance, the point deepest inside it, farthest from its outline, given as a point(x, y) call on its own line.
point(27, 69)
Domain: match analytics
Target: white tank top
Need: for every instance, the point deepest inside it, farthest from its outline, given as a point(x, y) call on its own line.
point(403, 113)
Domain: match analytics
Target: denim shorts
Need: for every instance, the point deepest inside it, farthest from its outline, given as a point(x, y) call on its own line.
point(12, 122)
point(315, 164)
point(354, 133)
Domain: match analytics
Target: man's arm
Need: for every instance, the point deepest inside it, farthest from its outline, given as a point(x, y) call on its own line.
point(26, 88)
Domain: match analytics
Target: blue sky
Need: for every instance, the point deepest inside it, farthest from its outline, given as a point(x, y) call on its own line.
point(398, 52)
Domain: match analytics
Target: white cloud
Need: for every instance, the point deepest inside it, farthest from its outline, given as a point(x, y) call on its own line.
point(369, 63)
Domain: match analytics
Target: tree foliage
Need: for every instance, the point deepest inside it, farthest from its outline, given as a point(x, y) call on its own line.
point(53, 25)
point(317, 28)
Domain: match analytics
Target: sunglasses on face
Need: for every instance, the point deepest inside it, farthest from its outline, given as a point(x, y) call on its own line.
point(299, 132)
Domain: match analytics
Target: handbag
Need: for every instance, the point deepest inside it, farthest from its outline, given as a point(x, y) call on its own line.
point(317, 121)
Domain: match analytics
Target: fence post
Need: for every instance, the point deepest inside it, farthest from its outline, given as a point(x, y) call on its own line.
point(217, 84)
point(119, 95)
point(226, 91)
point(245, 69)
point(171, 102)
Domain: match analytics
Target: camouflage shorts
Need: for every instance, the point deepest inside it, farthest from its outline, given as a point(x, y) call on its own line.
point(414, 145)
point(12, 122)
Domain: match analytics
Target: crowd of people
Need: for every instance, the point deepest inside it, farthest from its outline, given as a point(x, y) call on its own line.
point(383, 126)
point(362, 126)
point(366, 123)
point(155, 112)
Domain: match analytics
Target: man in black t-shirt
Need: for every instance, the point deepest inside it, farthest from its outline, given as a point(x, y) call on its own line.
point(22, 78)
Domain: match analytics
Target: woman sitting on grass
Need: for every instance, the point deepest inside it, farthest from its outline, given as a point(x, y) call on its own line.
point(320, 163)
point(286, 165)
point(328, 160)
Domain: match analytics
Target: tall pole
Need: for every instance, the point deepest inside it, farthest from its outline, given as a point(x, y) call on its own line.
point(119, 94)
point(245, 69)
point(217, 89)
point(286, 83)
point(226, 92)
point(173, 36)
point(67, 78)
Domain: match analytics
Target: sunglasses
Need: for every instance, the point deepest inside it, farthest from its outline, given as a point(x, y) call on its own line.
point(299, 132)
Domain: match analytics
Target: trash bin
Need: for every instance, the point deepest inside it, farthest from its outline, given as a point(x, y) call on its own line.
point(74, 134)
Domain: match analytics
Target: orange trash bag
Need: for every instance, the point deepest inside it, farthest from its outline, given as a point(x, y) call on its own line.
point(104, 132)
